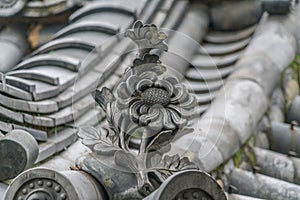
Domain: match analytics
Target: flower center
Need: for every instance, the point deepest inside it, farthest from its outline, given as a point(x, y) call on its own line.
point(152, 96)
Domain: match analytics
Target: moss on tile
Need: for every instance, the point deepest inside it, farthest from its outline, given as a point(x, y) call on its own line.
point(295, 65)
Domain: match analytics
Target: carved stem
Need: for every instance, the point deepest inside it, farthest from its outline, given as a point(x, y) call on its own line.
point(122, 135)
point(144, 141)
point(144, 183)
point(122, 141)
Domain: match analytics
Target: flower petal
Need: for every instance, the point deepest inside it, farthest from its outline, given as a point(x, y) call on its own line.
point(171, 79)
point(144, 31)
point(190, 103)
point(149, 75)
point(180, 93)
point(150, 117)
point(162, 36)
point(180, 110)
point(122, 91)
point(133, 110)
point(165, 84)
point(177, 120)
point(144, 109)
point(157, 124)
point(168, 124)
point(137, 62)
point(131, 84)
point(143, 84)
point(138, 26)
point(125, 103)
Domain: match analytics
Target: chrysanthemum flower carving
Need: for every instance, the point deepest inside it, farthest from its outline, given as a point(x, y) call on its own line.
point(155, 103)
point(147, 104)
point(147, 37)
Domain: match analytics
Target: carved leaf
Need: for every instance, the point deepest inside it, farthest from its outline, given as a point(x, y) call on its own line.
point(147, 58)
point(126, 160)
point(154, 160)
point(149, 62)
point(171, 164)
point(162, 175)
point(106, 100)
point(102, 142)
point(90, 136)
point(175, 163)
point(103, 98)
point(162, 36)
point(105, 149)
point(164, 149)
point(161, 139)
point(185, 164)
point(183, 132)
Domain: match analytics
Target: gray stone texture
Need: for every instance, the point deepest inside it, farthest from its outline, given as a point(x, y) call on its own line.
point(227, 16)
point(239, 96)
point(261, 186)
point(18, 152)
point(277, 165)
point(13, 45)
